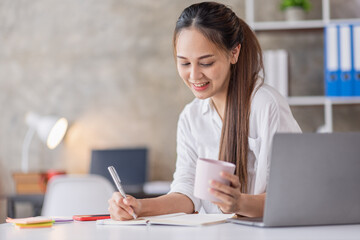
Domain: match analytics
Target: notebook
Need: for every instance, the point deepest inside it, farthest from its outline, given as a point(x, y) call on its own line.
point(179, 219)
point(314, 180)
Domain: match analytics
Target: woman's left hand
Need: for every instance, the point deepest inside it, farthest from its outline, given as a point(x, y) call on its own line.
point(229, 195)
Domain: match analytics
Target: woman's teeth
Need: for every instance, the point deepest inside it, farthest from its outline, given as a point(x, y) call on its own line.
point(200, 84)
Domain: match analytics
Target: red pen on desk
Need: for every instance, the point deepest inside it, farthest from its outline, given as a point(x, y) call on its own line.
point(91, 217)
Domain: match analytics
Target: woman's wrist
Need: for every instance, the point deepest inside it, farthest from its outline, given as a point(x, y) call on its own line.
point(251, 205)
point(165, 204)
point(144, 209)
point(240, 210)
point(151, 206)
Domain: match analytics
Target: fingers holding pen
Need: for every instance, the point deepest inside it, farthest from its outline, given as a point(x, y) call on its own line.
point(121, 208)
point(118, 213)
point(131, 204)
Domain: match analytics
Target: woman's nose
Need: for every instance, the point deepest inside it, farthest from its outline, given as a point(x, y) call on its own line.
point(195, 73)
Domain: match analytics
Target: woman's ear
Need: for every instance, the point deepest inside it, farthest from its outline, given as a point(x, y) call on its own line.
point(235, 54)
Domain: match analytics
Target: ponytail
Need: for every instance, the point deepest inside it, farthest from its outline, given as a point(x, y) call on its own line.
point(235, 131)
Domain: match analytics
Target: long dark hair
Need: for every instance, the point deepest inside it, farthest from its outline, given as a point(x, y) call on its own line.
point(221, 26)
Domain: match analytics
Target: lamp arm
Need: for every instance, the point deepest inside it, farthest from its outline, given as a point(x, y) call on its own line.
point(25, 150)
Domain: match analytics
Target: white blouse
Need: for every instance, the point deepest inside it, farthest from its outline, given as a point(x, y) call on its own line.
point(199, 132)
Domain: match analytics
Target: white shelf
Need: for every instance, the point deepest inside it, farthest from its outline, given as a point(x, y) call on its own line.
point(306, 24)
point(321, 100)
point(327, 102)
point(287, 25)
point(346, 20)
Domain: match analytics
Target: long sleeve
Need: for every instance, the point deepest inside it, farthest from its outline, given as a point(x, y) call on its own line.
point(184, 175)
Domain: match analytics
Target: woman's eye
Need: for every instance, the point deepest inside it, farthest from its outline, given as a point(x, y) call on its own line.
point(206, 64)
point(185, 64)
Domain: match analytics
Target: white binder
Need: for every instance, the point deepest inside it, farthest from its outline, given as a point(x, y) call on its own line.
point(276, 70)
point(269, 65)
point(282, 71)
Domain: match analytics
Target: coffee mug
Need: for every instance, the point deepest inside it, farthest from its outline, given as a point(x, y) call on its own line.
point(209, 169)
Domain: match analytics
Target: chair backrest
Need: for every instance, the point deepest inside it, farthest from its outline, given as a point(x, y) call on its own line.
point(68, 195)
point(131, 165)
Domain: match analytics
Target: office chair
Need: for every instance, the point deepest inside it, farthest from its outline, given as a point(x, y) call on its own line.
point(131, 165)
point(68, 195)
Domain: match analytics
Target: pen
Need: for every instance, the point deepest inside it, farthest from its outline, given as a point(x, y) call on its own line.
point(117, 182)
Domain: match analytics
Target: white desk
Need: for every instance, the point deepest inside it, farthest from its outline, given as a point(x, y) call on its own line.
point(89, 231)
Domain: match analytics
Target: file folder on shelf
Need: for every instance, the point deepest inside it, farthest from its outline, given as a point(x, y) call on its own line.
point(276, 70)
point(356, 58)
point(282, 71)
point(346, 76)
point(332, 81)
point(270, 68)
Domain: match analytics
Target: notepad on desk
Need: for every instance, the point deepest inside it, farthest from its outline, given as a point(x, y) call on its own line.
point(177, 219)
point(31, 222)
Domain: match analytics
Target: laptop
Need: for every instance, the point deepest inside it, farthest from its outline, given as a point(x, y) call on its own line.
point(314, 180)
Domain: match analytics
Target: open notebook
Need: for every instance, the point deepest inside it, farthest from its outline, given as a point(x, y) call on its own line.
point(179, 219)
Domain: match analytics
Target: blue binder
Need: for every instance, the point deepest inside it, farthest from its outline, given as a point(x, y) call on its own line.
point(345, 57)
point(331, 60)
point(356, 57)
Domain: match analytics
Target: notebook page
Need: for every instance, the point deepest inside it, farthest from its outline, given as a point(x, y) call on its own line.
point(193, 219)
point(138, 221)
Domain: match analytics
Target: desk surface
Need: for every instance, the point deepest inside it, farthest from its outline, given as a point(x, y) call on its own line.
point(89, 231)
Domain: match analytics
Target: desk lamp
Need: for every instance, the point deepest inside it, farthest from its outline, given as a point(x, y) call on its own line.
point(51, 130)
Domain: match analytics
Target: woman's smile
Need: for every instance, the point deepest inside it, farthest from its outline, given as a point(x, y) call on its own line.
point(200, 86)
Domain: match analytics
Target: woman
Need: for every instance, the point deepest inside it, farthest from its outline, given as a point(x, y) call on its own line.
point(233, 117)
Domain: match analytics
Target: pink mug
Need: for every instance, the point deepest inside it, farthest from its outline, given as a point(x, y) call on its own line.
point(209, 169)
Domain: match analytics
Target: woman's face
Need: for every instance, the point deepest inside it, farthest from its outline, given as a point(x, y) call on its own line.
point(204, 67)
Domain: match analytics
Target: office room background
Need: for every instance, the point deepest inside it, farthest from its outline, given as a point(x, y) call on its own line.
point(108, 67)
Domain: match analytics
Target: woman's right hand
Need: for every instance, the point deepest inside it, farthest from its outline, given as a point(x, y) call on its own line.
point(122, 209)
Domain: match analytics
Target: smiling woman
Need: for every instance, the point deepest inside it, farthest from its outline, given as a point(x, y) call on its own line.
point(233, 117)
point(203, 67)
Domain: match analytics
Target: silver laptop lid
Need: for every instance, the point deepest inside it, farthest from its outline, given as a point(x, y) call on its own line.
point(314, 179)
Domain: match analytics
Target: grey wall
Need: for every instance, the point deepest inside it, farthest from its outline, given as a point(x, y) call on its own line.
point(108, 67)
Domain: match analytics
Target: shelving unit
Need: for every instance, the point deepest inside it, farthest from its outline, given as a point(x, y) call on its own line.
point(304, 25)
point(286, 25)
point(327, 102)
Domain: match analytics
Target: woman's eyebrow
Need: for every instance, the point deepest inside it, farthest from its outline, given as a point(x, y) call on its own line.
point(206, 56)
point(202, 57)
